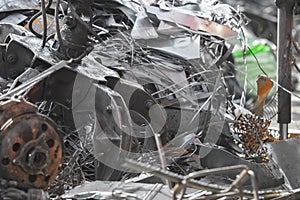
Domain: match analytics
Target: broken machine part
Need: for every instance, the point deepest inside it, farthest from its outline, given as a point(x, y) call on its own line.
point(31, 148)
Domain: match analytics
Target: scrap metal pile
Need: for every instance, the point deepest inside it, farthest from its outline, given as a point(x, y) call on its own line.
point(128, 100)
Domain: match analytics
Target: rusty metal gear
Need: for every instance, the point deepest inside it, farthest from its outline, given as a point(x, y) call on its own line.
point(30, 147)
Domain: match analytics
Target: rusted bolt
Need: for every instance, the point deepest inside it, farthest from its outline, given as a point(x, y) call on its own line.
point(38, 158)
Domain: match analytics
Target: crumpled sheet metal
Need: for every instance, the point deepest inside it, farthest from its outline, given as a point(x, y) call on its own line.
point(33, 44)
point(165, 71)
point(177, 31)
point(119, 190)
point(286, 154)
point(9, 5)
point(94, 70)
point(14, 18)
point(142, 28)
point(89, 66)
point(193, 22)
point(97, 70)
point(268, 174)
point(185, 47)
point(7, 28)
point(129, 8)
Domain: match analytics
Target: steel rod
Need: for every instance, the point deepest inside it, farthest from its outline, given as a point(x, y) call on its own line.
point(284, 60)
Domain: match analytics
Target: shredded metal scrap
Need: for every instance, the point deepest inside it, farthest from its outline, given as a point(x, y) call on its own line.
point(128, 79)
point(252, 133)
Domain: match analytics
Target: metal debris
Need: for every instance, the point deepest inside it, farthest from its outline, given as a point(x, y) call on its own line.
point(268, 174)
point(115, 190)
point(8, 5)
point(253, 132)
point(182, 182)
point(284, 153)
point(31, 150)
point(148, 83)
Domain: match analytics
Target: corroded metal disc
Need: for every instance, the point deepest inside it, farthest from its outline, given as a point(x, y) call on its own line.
point(31, 149)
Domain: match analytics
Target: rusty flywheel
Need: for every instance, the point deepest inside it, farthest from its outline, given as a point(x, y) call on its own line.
point(30, 146)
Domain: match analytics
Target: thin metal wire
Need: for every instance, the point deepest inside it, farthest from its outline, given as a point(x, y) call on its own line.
point(45, 26)
point(255, 57)
point(243, 96)
point(56, 16)
point(34, 17)
point(271, 108)
point(190, 179)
